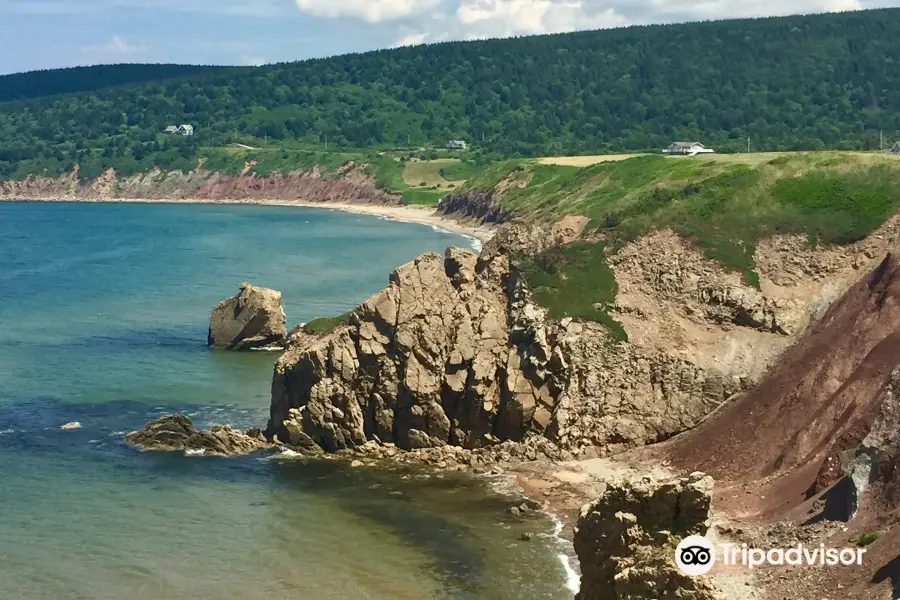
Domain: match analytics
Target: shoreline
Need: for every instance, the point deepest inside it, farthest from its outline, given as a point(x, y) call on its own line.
point(403, 213)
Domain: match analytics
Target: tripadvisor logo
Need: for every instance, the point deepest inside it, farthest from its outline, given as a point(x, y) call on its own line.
point(696, 555)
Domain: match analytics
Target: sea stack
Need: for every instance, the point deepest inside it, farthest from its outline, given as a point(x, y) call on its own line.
point(253, 318)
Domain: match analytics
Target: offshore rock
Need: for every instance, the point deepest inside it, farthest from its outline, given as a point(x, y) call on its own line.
point(253, 318)
point(626, 539)
point(177, 432)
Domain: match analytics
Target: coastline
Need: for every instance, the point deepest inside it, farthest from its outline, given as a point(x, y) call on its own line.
point(403, 213)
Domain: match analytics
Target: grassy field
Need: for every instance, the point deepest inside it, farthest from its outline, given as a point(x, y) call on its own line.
point(584, 161)
point(427, 173)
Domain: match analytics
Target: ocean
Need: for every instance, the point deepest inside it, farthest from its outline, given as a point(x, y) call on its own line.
point(103, 316)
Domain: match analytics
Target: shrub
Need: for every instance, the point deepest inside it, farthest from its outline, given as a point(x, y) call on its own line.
point(325, 324)
point(867, 538)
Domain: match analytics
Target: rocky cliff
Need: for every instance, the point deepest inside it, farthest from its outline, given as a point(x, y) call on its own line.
point(455, 352)
point(350, 184)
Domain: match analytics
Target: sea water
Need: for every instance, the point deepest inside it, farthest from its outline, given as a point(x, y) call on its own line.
point(103, 317)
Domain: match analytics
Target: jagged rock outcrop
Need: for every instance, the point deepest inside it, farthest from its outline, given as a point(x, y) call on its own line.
point(673, 273)
point(253, 318)
point(177, 432)
point(874, 462)
point(485, 205)
point(626, 540)
point(424, 363)
point(620, 396)
point(476, 205)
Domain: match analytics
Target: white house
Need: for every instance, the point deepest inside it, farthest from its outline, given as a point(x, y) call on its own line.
point(687, 149)
point(180, 129)
point(457, 145)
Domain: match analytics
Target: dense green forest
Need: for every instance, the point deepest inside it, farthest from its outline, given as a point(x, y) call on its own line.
point(804, 82)
point(34, 84)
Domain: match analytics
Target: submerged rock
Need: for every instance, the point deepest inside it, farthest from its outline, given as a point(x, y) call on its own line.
point(177, 432)
point(626, 539)
point(253, 318)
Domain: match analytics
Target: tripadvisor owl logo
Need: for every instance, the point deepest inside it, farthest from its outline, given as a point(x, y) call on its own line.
point(695, 555)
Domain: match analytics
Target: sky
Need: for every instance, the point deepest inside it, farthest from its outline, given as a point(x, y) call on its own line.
point(42, 34)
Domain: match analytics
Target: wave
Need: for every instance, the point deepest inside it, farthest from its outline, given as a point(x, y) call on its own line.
point(573, 576)
point(285, 453)
point(194, 452)
point(269, 349)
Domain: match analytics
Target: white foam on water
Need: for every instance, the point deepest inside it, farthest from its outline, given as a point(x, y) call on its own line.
point(284, 454)
point(573, 576)
point(194, 452)
point(72, 425)
point(268, 349)
point(5, 431)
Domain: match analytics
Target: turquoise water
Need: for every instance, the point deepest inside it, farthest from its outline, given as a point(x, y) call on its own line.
point(103, 317)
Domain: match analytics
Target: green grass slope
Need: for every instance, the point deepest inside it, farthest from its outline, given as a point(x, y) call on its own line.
point(724, 207)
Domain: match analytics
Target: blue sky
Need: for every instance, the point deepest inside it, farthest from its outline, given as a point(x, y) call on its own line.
point(37, 34)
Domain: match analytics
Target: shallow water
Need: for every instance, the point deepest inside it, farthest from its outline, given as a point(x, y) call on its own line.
point(103, 316)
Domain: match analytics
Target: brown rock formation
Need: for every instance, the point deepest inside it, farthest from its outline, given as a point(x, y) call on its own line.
point(177, 432)
point(253, 318)
point(819, 401)
point(454, 352)
point(626, 540)
point(426, 362)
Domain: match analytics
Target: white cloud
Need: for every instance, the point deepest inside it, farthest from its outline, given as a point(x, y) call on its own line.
point(116, 45)
point(473, 19)
point(373, 11)
point(410, 39)
point(663, 10)
point(513, 17)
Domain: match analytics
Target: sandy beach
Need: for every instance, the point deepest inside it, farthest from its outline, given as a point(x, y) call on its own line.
point(408, 214)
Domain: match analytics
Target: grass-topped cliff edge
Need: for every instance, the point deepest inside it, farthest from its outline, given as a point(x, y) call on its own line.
point(723, 204)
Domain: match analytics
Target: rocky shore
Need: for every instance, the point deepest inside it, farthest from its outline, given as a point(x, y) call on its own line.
point(455, 366)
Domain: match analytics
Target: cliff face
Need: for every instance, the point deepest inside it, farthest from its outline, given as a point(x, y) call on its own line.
point(429, 361)
point(349, 185)
point(826, 395)
point(454, 351)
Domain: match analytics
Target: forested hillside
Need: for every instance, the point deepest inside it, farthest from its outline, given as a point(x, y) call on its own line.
point(804, 82)
point(34, 84)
